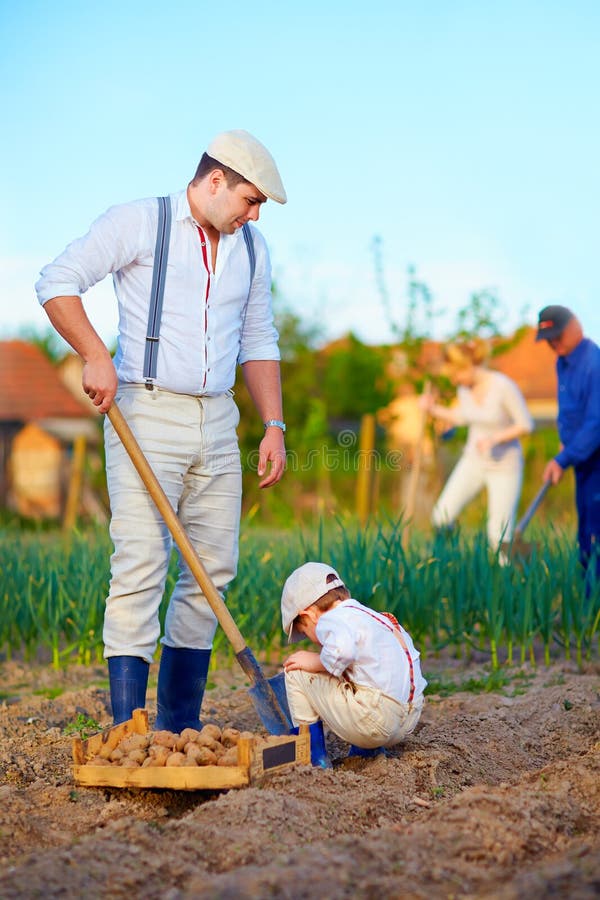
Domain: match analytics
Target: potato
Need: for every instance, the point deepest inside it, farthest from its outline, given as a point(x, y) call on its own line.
point(219, 750)
point(212, 731)
point(187, 735)
point(190, 760)
point(206, 740)
point(230, 737)
point(128, 763)
point(175, 759)
point(164, 739)
point(230, 758)
point(134, 742)
point(157, 756)
point(137, 756)
point(207, 757)
point(117, 755)
point(98, 761)
point(203, 756)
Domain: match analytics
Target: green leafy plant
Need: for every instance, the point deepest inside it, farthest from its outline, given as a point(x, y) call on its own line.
point(83, 725)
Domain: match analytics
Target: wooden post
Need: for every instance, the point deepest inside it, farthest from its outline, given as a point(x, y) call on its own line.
point(75, 483)
point(366, 447)
point(415, 471)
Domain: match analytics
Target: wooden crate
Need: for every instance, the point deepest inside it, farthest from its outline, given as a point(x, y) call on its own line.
point(255, 760)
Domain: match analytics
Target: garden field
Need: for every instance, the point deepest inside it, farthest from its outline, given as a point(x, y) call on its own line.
point(495, 795)
point(447, 591)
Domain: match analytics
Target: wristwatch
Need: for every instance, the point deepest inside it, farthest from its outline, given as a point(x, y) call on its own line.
point(276, 423)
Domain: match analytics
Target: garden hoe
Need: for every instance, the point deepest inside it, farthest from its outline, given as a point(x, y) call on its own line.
point(268, 695)
point(518, 548)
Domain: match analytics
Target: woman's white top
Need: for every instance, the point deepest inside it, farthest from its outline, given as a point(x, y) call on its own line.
point(502, 405)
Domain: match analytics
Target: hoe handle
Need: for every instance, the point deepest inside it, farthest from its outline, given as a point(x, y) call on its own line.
point(180, 537)
point(531, 509)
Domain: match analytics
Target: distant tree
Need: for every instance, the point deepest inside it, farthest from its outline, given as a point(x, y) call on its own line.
point(356, 380)
point(49, 342)
point(412, 323)
point(300, 378)
point(485, 316)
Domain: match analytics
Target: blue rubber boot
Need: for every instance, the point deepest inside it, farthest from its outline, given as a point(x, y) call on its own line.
point(365, 752)
point(181, 683)
point(318, 748)
point(128, 676)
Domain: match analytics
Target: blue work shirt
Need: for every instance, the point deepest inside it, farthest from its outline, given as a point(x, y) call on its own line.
point(578, 403)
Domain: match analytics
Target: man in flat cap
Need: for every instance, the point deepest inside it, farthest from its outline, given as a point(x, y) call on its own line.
point(193, 284)
point(578, 370)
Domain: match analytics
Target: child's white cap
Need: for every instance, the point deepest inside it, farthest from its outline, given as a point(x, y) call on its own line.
point(303, 588)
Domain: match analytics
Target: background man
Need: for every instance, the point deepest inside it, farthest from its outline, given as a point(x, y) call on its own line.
point(578, 370)
point(214, 314)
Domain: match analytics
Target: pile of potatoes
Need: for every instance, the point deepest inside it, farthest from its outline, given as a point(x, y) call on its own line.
point(211, 746)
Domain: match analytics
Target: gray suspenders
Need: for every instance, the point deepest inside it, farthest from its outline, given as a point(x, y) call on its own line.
point(159, 276)
point(157, 292)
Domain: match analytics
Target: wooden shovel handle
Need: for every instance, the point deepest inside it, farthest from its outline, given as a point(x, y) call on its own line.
point(180, 537)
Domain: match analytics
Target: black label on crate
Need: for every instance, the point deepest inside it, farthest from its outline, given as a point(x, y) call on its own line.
point(279, 755)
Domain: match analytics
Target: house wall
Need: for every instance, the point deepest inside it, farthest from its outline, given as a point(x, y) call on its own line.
point(35, 468)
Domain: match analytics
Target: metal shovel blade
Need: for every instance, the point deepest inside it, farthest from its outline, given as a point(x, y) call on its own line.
point(268, 695)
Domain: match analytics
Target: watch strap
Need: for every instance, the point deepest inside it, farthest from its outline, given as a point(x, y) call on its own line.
point(277, 423)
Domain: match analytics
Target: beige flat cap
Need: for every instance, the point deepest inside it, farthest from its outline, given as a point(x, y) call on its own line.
point(248, 157)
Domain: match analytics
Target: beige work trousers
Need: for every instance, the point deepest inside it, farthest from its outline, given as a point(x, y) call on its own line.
point(360, 715)
point(191, 445)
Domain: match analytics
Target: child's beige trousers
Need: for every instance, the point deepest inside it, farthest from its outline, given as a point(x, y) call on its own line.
point(360, 715)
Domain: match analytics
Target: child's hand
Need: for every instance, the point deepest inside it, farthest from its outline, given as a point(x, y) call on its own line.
point(304, 659)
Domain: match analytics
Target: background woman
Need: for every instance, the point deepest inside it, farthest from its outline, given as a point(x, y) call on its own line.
point(495, 411)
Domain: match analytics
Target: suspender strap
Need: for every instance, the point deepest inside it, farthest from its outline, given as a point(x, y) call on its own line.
point(398, 635)
point(251, 252)
point(252, 260)
point(157, 293)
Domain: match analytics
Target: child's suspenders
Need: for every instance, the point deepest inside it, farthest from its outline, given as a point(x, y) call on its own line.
point(398, 635)
point(157, 291)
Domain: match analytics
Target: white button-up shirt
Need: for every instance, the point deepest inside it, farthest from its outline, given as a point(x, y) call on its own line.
point(206, 326)
point(358, 641)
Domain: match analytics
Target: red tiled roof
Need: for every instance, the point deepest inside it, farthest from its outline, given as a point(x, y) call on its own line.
point(531, 365)
point(30, 387)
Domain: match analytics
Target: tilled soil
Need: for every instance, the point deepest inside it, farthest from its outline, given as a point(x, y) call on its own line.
point(495, 795)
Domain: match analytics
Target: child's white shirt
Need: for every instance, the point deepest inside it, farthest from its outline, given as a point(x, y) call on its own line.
point(360, 644)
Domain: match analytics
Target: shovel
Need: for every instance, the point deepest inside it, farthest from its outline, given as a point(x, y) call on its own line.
point(518, 547)
point(273, 712)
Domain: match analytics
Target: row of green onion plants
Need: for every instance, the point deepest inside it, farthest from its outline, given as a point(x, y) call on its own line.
point(448, 591)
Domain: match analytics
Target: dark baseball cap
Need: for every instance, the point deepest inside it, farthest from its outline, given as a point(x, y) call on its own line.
point(552, 321)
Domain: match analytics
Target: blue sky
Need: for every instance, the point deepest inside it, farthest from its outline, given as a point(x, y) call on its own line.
point(464, 134)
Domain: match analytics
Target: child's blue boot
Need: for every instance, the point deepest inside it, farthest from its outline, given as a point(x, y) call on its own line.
point(365, 752)
point(318, 748)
